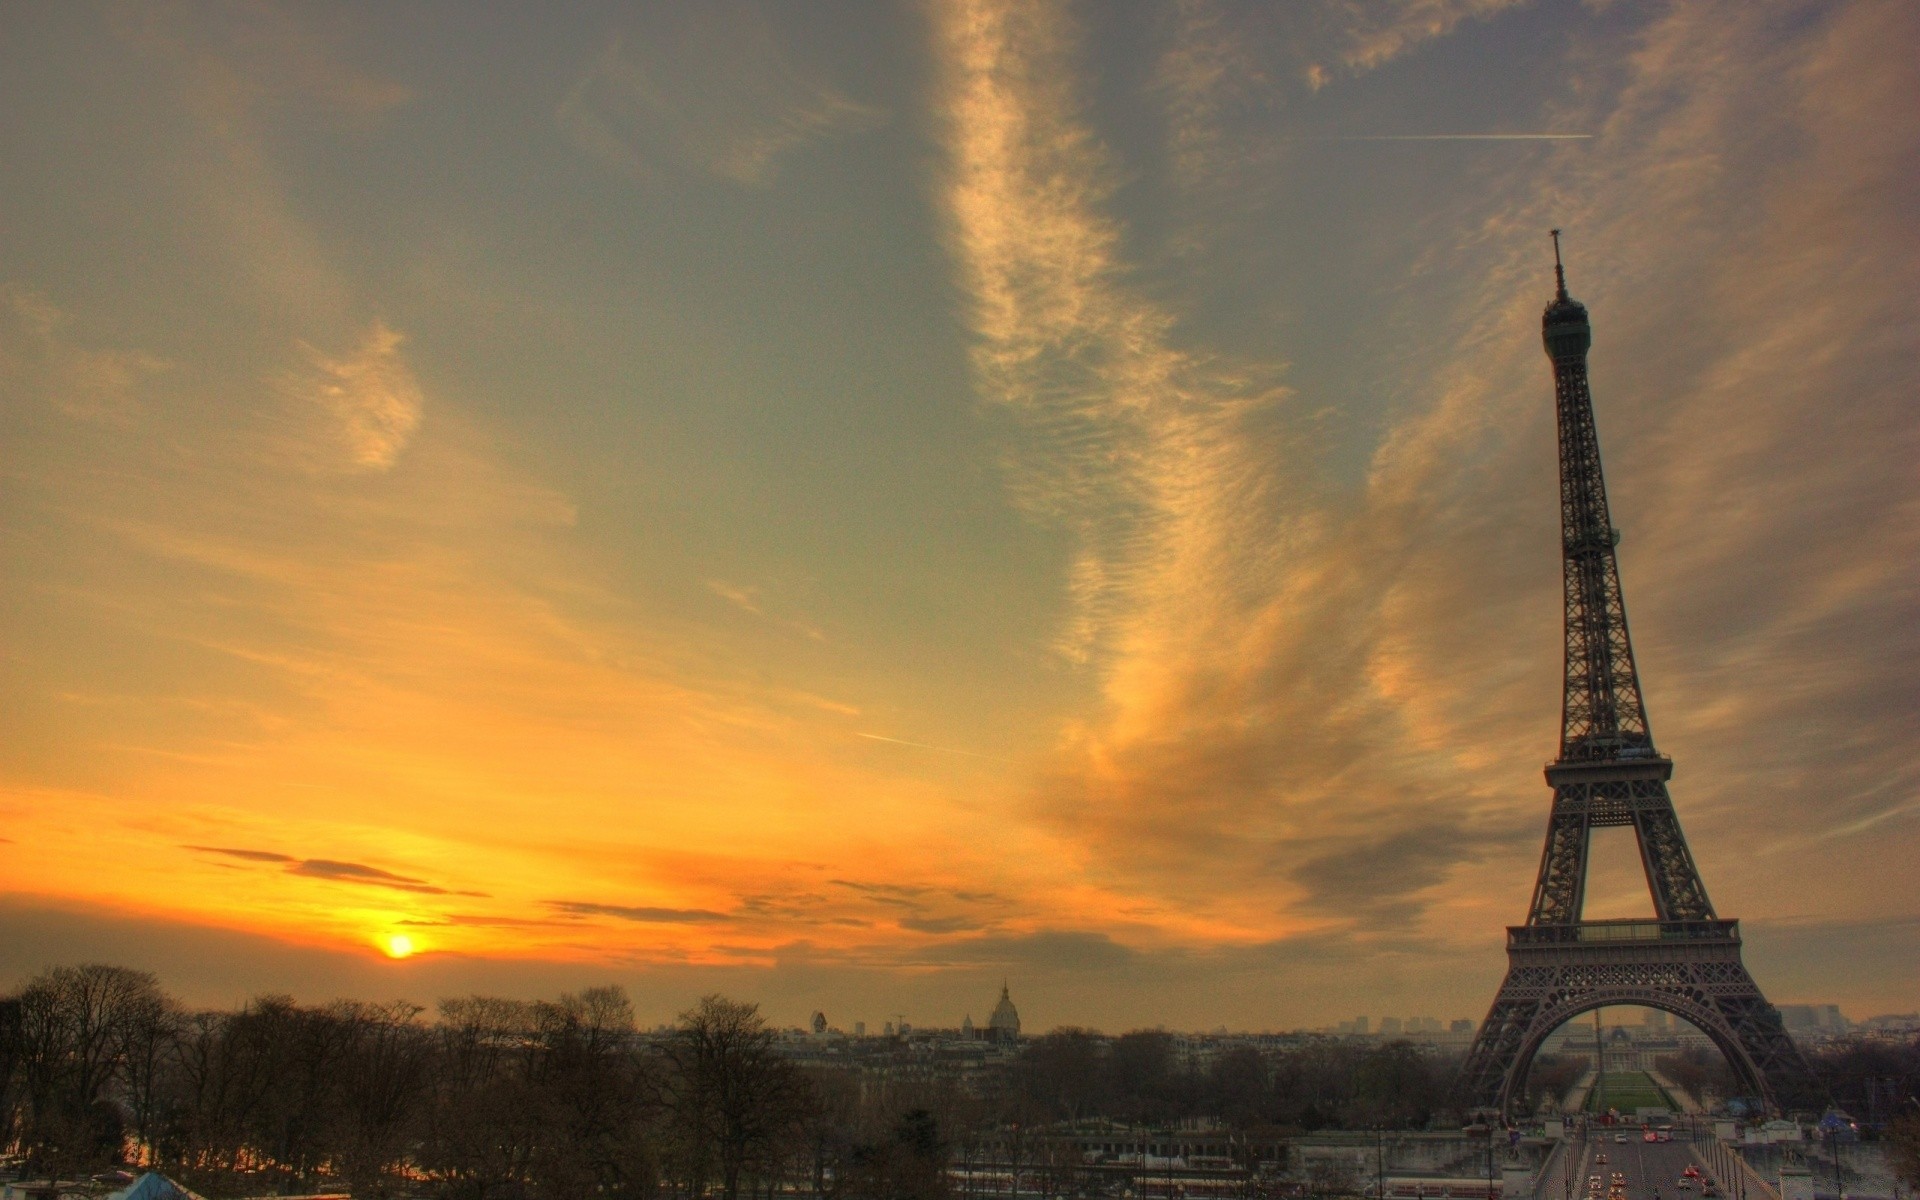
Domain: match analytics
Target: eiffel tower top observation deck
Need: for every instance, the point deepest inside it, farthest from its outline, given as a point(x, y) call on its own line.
point(1686, 960)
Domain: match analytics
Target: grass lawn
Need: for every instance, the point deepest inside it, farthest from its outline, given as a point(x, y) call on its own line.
point(1626, 1091)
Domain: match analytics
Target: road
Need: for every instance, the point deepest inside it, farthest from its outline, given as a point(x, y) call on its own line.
point(1653, 1169)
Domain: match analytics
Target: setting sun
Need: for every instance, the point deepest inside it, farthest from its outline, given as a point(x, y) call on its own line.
point(397, 945)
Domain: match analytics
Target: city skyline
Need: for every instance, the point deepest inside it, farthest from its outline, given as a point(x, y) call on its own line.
point(846, 507)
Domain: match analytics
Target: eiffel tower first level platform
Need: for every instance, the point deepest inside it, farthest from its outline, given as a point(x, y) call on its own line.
point(1685, 960)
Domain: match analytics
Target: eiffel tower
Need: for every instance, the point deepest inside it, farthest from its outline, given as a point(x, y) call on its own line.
point(1686, 959)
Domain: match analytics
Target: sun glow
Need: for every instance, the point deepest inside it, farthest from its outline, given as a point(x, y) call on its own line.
point(397, 945)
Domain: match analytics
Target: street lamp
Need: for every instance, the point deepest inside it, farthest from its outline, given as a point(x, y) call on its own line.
point(1839, 1177)
point(1380, 1163)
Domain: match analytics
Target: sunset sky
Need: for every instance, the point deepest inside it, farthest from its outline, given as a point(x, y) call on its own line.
point(845, 504)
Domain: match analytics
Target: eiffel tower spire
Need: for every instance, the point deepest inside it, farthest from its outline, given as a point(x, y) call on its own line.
point(1608, 772)
point(1686, 960)
point(1602, 715)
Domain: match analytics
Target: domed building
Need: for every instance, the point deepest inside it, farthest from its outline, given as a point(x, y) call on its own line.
point(1004, 1024)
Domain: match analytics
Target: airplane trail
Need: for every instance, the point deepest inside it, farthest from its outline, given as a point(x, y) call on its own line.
point(1449, 137)
point(874, 737)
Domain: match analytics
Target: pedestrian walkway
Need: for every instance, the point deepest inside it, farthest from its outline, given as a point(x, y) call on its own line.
point(1577, 1098)
point(1680, 1096)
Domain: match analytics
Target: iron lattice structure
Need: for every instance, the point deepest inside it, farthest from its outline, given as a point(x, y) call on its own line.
point(1686, 960)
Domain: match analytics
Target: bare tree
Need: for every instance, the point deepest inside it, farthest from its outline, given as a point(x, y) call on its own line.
point(75, 1024)
point(732, 1099)
point(381, 1085)
point(484, 1119)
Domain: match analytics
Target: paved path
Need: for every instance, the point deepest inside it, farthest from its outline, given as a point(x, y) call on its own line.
point(1674, 1092)
point(1577, 1096)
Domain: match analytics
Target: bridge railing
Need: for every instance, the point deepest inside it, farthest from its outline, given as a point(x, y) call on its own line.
point(1588, 932)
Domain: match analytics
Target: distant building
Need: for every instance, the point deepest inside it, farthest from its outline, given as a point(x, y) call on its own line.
point(860, 1029)
point(1461, 1026)
point(1893, 1023)
point(819, 1023)
point(1004, 1024)
point(966, 1026)
point(1814, 1020)
point(1389, 1026)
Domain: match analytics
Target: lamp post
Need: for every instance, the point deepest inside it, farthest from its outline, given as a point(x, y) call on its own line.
point(1380, 1163)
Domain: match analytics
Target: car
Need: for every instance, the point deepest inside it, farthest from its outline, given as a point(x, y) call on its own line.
point(1649, 1136)
point(1692, 1172)
point(1621, 1138)
point(1685, 1184)
point(1599, 1159)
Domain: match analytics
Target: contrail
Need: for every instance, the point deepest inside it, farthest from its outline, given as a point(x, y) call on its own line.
point(874, 737)
point(1448, 137)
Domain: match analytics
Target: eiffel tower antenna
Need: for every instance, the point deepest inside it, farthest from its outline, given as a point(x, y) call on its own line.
point(1686, 959)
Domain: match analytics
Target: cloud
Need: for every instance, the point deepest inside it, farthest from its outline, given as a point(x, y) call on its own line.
point(1065, 950)
point(334, 870)
point(39, 355)
point(352, 872)
point(1377, 880)
point(886, 893)
point(644, 915)
point(242, 77)
point(938, 924)
point(748, 600)
point(710, 89)
point(266, 55)
point(371, 393)
point(266, 856)
point(1371, 35)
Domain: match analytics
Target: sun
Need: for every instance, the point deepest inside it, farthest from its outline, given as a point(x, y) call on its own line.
point(397, 945)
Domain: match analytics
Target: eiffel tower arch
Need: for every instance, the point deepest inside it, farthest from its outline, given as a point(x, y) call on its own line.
point(1686, 959)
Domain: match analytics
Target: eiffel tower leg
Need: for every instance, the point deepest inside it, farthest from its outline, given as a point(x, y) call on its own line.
point(1788, 1079)
point(1487, 1079)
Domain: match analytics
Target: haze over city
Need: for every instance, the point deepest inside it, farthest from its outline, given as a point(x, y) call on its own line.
point(847, 505)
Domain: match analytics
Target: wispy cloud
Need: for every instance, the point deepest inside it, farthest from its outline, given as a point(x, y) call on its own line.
point(643, 914)
point(334, 870)
point(711, 89)
point(371, 394)
point(748, 600)
point(265, 856)
point(1371, 35)
point(40, 355)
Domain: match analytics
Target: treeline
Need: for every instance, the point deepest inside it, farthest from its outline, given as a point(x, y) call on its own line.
point(497, 1099)
point(1142, 1078)
point(1874, 1082)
